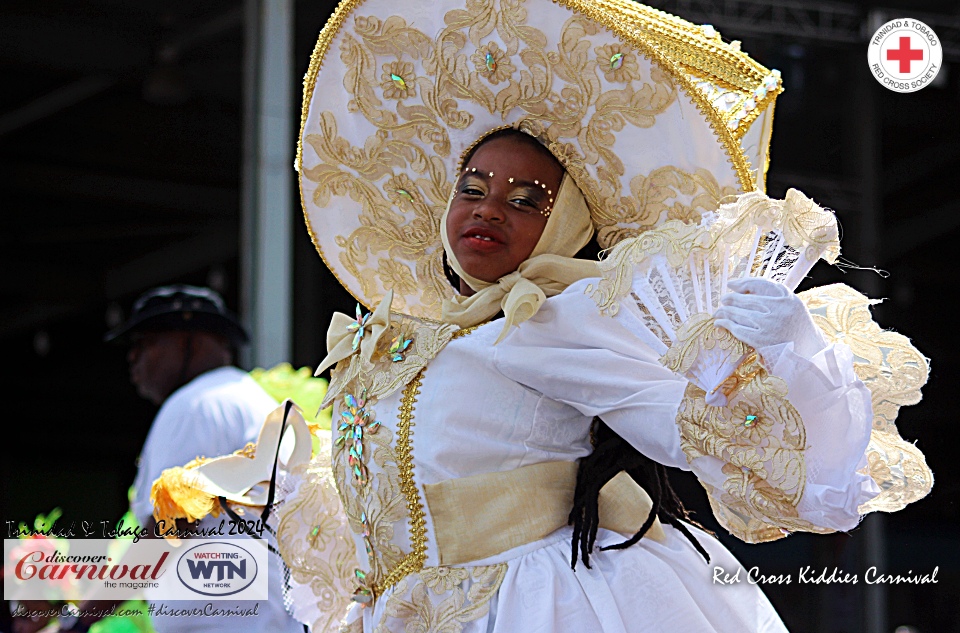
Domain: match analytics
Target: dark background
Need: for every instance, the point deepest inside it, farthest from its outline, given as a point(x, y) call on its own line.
point(120, 162)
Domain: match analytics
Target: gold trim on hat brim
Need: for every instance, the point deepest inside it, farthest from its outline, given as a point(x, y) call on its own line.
point(666, 33)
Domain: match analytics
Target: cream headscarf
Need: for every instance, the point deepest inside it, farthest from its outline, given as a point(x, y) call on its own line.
point(547, 272)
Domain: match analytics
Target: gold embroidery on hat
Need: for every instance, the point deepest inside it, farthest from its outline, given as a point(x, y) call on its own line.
point(678, 49)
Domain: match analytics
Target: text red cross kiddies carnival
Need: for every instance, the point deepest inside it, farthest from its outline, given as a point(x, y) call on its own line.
point(905, 54)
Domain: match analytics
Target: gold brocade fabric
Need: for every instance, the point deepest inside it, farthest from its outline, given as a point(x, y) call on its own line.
point(395, 93)
point(317, 546)
point(372, 462)
point(433, 599)
point(760, 438)
point(504, 514)
point(764, 460)
point(374, 507)
point(380, 375)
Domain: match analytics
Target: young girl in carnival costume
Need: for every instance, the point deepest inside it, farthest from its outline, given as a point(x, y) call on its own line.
point(506, 410)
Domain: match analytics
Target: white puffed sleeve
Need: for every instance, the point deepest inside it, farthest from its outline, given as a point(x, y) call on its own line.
point(782, 455)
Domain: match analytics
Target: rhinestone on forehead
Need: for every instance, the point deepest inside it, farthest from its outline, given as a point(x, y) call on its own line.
point(635, 44)
point(511, 179)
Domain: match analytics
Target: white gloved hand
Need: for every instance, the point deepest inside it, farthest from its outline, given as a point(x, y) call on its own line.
point(762, 313)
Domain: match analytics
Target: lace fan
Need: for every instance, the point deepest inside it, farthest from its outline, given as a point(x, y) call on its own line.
point(674, 276)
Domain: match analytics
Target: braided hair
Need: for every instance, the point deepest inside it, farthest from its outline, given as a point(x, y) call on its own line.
point(611, 453)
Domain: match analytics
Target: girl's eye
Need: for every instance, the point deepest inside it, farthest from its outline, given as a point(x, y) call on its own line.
point(470, 190)
point(526, 203)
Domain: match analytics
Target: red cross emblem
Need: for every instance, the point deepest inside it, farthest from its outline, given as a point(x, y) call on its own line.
point(905, 54)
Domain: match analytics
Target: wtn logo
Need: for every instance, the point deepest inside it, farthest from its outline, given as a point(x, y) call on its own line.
point(217, 569)
point(224, 568)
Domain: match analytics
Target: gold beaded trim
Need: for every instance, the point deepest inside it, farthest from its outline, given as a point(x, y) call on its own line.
point(327, 34)
point(688, 44)
point(412, 562)
point(752, 115)
point(465, 331)
point(633, 32)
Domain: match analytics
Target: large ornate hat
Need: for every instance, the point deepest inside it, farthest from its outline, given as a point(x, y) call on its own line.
point(653, 117)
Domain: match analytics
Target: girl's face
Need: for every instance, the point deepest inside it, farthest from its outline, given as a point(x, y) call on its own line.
point(498, 212)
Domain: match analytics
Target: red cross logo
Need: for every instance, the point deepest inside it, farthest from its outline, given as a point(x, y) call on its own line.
point(905, 54)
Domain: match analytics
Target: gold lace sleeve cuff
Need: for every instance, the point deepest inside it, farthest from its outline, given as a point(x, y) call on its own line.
point(894, 371)
point(759, 441)
point(899, 469)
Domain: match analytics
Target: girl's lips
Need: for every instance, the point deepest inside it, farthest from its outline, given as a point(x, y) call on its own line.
point(483, 232)
point(482, 239)
point(480, 243)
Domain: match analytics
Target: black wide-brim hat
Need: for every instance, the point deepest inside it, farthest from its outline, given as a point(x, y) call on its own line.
point(180, 308)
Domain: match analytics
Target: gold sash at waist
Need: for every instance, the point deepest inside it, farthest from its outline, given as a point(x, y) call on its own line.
point(481, 516)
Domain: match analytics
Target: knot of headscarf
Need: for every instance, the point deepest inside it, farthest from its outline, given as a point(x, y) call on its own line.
point(548, 271)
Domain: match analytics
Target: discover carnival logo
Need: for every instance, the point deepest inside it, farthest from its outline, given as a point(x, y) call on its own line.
point(155, 569)
point(905, 55)
point(217, 569)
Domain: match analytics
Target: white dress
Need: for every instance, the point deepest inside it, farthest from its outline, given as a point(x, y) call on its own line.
point(477, 408)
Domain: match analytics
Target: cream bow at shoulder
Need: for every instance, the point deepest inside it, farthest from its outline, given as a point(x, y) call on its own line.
point(345, 335)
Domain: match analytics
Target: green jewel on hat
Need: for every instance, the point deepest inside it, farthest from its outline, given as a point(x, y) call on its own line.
point(653, 117)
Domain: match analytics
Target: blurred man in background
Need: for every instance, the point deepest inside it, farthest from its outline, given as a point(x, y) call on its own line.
point(181, 341)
